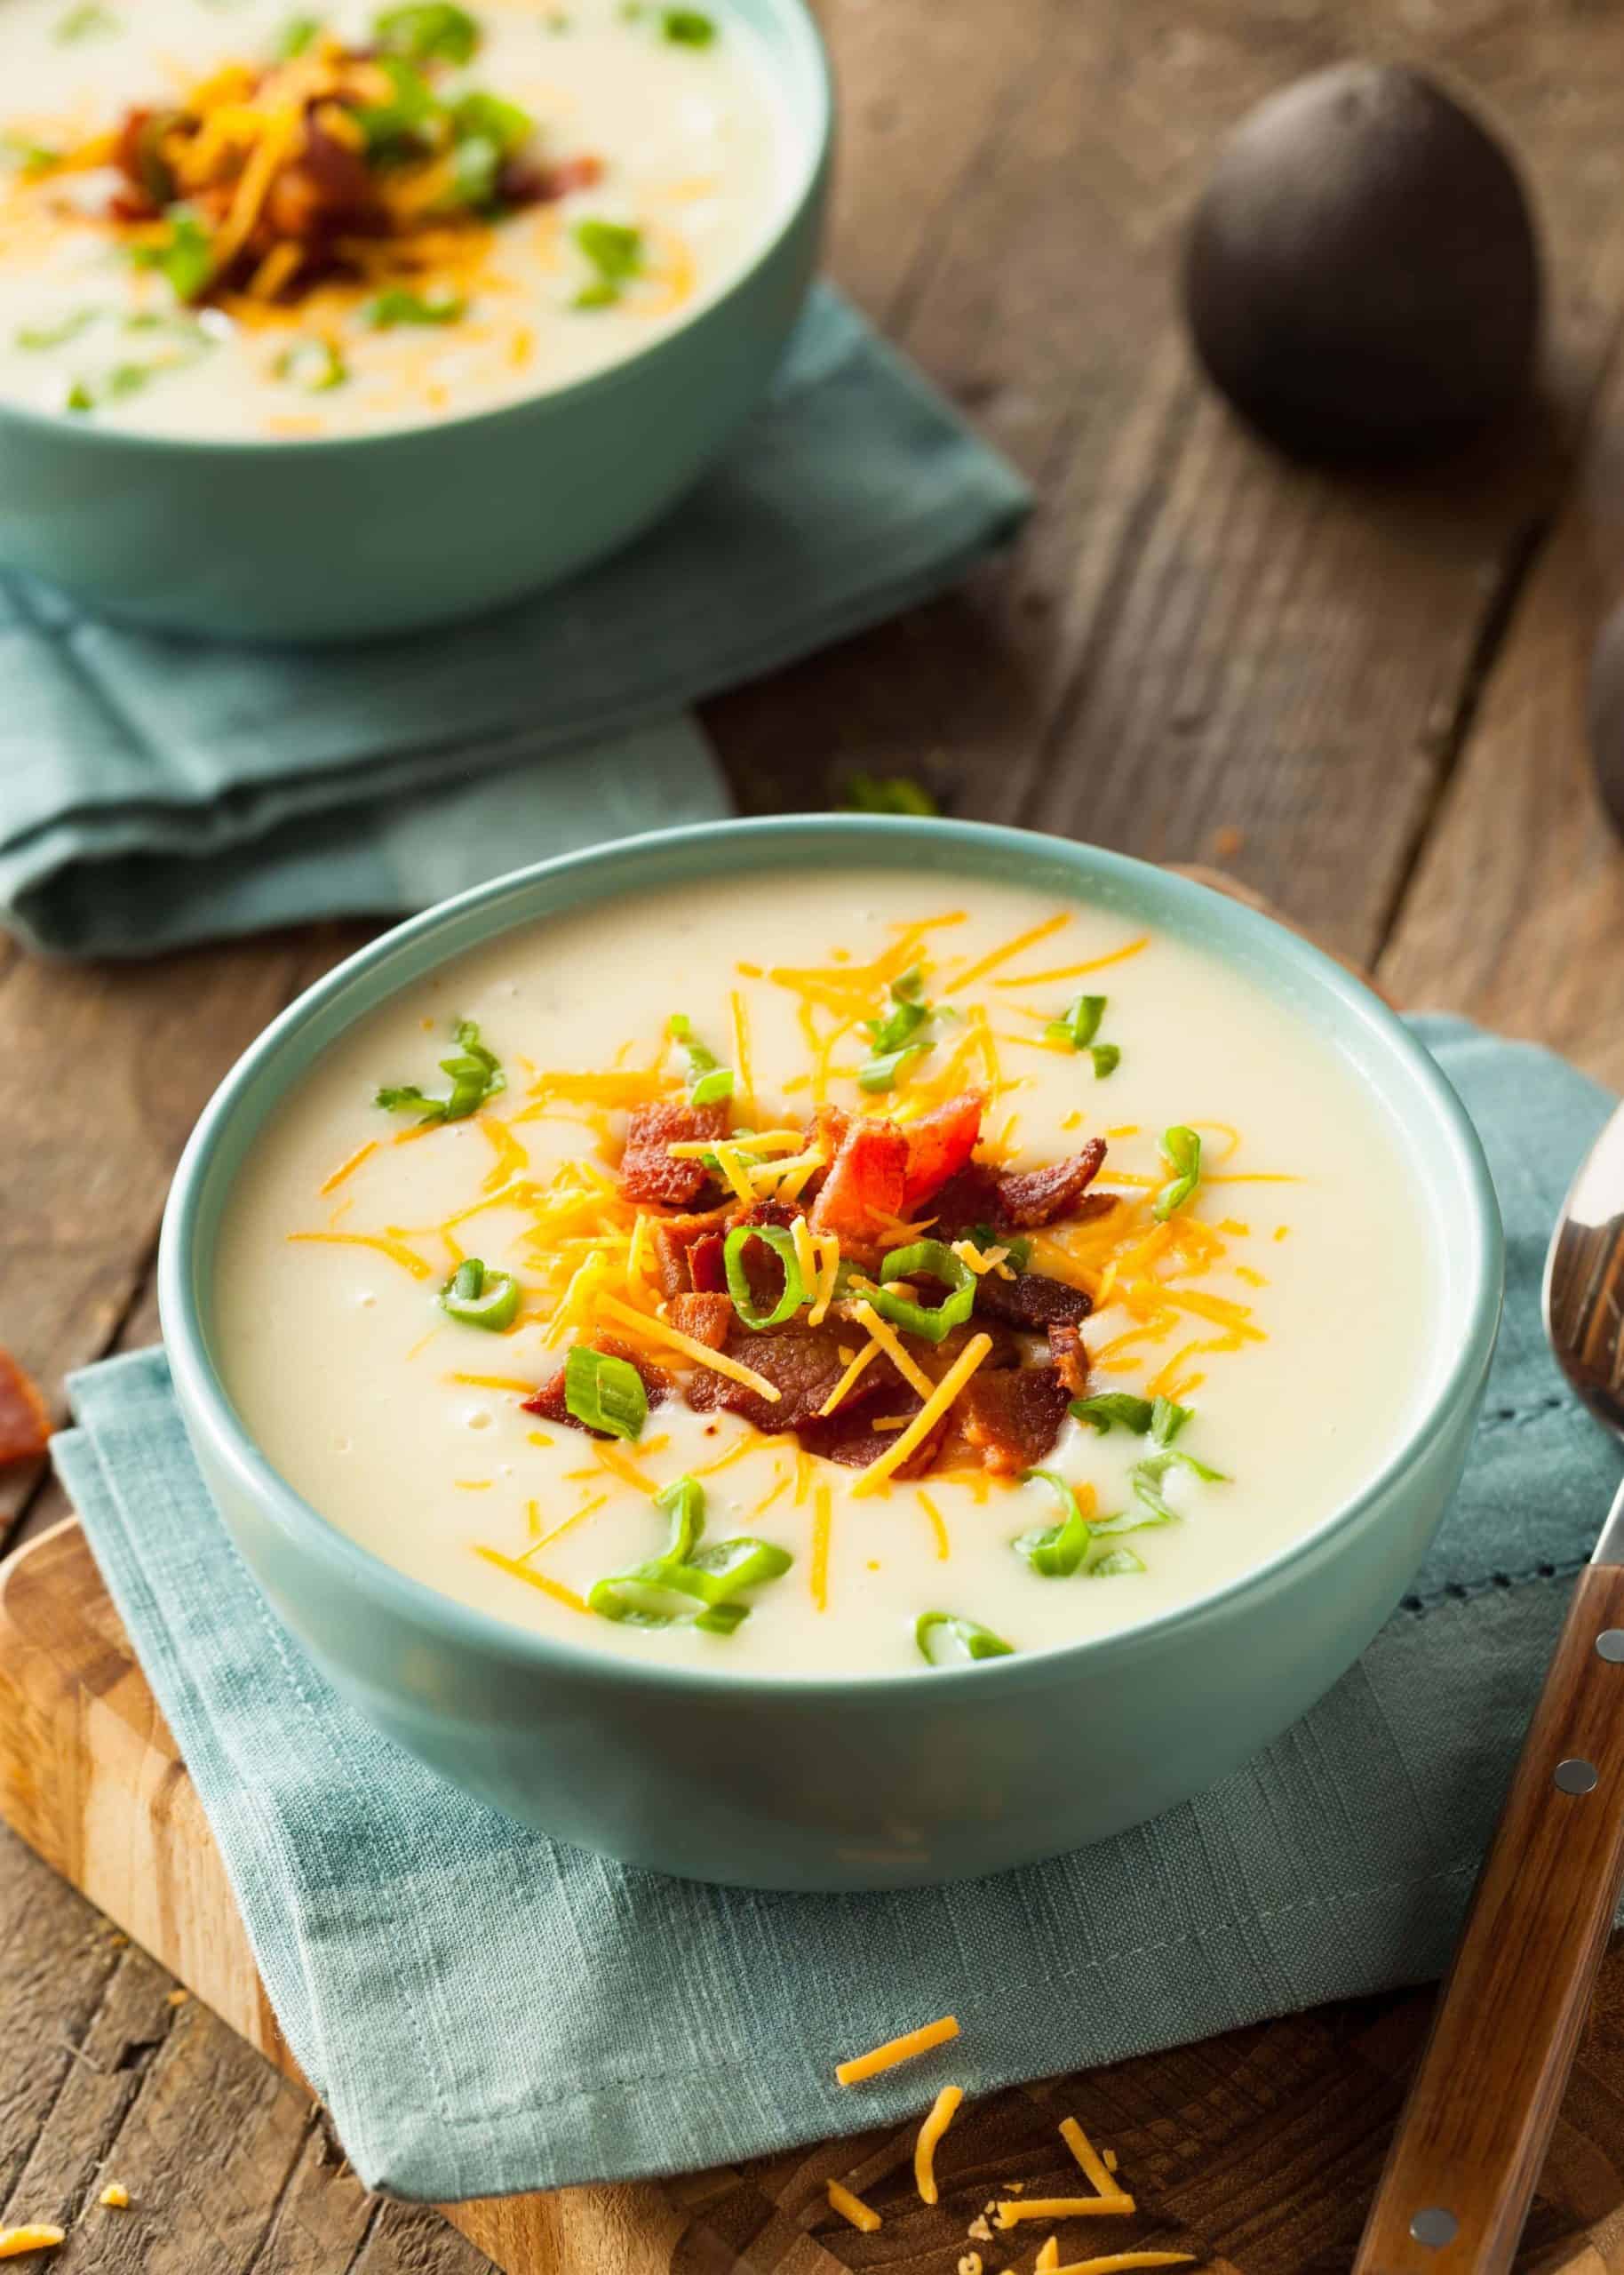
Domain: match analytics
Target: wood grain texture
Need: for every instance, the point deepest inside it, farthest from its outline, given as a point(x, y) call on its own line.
point(1471, 2141)
point(1256, 2149)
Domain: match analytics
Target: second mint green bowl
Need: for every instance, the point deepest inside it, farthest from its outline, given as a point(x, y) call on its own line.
point(884, 1782)
point(357, 536)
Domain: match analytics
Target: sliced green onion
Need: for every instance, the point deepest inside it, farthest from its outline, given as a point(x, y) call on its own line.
point(316, 365)
point(880, 1074)
point(709, 1082)
point(1146, 1479)
point(479, 1297)
point(185, 257)
point(889, 794)
point(427, 31)
point(412, 109)
point(1017, 1249)
point(605, 1392)
point(295, 36)
point(1057, 1550)
point(1078, 1023)
point(795, 1294)
point(476, 1076)
point(935, 1259)
point(1108, 1406)
point(1167, 1419)
point(1118, 1561)
point(1181, 1149)
point(900, 1036)
point(398, 306)
point(56, 335)
point(665, 1591)
point(946, 1639)
point(1106, 1056)
point(616, 252)
point(90, 21)
point(687, 28)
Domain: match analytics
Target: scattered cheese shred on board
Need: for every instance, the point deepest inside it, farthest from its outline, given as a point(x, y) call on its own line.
point(24, 1425)
point(15, 2241)
point(862, 2066)
point(852, 2208)
point(1048, 2257)
point(970, 2264)
point(1062, 2207)
point(1116, 2262)
point(943, 2111)
point(115, 2196)
point(1087, 2156)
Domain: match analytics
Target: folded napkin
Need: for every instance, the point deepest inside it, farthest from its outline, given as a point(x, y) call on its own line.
point(484, 2010)
point(155, 790)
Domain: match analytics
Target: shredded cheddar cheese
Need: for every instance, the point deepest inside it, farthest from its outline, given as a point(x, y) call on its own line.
point(852, 2208)
point(1118, 2263)
point(1087, 2156)
point(886, 1337)
point(1048, 2257)
point(511, 1565)
point(925, 1420)
point(661, 1331)
point(860, 2067)
point(115, 2196)
point(1009, 2211)
point(943, 2110)
point(395, 1250)
point(36, 2236)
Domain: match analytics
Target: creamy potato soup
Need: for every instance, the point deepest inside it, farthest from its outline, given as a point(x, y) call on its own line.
point(250, 218)
point(824, 1284)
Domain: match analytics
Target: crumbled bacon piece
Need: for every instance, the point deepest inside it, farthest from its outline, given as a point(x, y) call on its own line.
point(866, 1176)
point(1070, 1353)
point(674, 1240)
point(647, 1171)
point(849, 1436)
point(802, 1363)
point(1013, 1417)
point(1029, 1300)
point(969, 1198)
point(1027, 1198)
point(706, 1317)
point(25, 1421)
point(939, 1146)
point(548, 1401)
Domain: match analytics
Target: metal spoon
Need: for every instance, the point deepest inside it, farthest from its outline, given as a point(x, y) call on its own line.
point(1464, 2162)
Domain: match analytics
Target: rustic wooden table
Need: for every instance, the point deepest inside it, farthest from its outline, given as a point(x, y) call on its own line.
point(1366, 699)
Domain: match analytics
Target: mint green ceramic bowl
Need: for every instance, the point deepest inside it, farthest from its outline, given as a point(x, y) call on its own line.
point(357, 535)
point(835, 1784)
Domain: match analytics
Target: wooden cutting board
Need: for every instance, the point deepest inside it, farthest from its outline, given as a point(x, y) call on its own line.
point(1256, 2149)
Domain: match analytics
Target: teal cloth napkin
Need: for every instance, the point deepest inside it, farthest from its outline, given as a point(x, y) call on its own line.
point(484, 2010)
point(155, 791)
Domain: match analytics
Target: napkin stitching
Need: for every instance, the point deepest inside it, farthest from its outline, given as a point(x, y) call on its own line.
point(1467, 1591)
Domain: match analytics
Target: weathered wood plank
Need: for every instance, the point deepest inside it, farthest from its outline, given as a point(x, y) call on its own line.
point(1515, 913)
point(1196, 641)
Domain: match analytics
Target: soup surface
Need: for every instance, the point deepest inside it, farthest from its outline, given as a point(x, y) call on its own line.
point(244, 220)
point(1182, 1275)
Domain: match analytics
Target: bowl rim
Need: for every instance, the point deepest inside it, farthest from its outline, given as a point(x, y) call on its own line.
point(803, 192)
point(1472, 1317)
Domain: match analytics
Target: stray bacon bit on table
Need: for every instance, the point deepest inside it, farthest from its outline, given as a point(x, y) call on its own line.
point(25, 1420)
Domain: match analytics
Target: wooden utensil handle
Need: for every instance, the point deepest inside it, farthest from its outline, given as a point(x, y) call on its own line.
point(1463, 2164)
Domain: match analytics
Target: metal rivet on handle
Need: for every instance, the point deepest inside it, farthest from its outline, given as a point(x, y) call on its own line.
point(1435, 2227)
point(1610, 1644)
point(1575, 1776)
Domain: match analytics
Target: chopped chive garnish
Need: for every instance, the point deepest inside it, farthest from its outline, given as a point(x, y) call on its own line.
point(687, 1585)
point(316, 365)
point(617, 254)
point(185, 257)
point(112, 387)
point(1167, 1419)
point(687, 28)
point(479, 1297)
point(1107, 1057)
point(1017, 1249)
point(901, 1034)
point(427, 31)
point(1078, 1023)
point(709, 1082)
point(1115, 1561)
point(946, 1639)
point(795, 1292)
point(413, 108)
point(57, 335)
point(1181, 1150)
point(476, 1076)
point(398, 306)
point(1146, 1479)
point(935, 1260)
point(295, 36)
point(605, 1392)
point(1055, 1551)
point(880, 1074)
point(889, 794)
